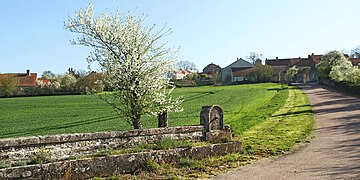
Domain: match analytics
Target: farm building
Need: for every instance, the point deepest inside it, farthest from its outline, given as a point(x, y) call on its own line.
point(211, 69)
point(307, 70)
point(236, 71)
point(22, 79)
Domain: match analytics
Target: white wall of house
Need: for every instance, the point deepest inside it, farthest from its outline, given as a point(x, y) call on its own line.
point(180, 76)
point(235, 79)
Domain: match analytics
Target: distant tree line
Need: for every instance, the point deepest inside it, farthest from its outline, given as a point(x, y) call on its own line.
point(70, 82)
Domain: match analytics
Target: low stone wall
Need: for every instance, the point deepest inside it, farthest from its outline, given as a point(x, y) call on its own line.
point(60, 147)
point(107, 166)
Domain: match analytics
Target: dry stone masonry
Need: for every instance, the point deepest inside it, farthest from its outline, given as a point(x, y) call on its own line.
point(62, 147)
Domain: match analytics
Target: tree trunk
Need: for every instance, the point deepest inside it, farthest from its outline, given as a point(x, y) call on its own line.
point(137, 122)
point(162, 119)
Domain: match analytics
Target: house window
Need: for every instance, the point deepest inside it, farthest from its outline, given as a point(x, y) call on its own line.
point(239, 79)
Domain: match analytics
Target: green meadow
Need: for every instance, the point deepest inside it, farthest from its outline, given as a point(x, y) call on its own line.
point(244, 107)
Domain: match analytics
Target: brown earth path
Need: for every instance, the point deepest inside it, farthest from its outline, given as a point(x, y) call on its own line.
point(333, 154)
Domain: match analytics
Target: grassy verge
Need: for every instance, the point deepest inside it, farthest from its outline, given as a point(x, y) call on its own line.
point(278, 134)
point(290, 125)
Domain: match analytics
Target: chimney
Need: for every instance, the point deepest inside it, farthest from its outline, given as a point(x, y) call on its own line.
point(299, 57)
point(312, 54)
point(309, 56)
point(277, 58)
point(28, 72)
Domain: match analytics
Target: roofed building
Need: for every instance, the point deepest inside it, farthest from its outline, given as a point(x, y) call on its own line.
point(181, 74)
point(22, 79)
point(240, 73)
point(307, 70)
point(236, 71)
point(212, 69)
point(279, 67)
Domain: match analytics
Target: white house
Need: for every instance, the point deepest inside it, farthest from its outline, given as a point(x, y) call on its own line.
point(181, 74)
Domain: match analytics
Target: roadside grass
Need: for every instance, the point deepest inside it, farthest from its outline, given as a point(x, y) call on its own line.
point(244, 106)
point(279, 134)
point(290, 125)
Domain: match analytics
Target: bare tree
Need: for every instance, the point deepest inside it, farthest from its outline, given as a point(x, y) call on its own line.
point(186, 65)
point(253, 57)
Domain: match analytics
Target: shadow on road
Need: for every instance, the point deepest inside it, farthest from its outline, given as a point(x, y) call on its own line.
point(343, 113)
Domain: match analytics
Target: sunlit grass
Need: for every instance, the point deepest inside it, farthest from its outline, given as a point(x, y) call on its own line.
point(244, 106)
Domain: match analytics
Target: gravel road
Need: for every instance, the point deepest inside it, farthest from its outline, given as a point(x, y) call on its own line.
point(333, 154)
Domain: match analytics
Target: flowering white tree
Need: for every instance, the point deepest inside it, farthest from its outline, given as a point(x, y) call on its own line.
point(68, 81)
point(133, 61)
point(354, 75)
point(342, 70)
point(329, 60)
point(291, 73)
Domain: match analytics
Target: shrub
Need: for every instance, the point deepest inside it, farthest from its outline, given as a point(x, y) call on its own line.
point(186, 162)
point(260, 73)
point(8, 85)
point(41, 157)
point(150, 165)
point(92, 83)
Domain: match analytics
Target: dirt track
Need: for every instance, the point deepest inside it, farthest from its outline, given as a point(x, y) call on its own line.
point(333, 154)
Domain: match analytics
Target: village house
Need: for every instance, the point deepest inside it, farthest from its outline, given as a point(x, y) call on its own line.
point(181, 74)
point(236, 71)
point(307, 70)
point(211, 69)
point(22, 79)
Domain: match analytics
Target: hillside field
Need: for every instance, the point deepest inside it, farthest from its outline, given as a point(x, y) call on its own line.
point(244, 106)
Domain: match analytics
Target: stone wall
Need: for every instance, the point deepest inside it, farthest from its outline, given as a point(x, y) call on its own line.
point(61, 147)
point(109, 165)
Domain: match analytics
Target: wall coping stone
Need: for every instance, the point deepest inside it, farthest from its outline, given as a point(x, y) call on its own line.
point(65, 138)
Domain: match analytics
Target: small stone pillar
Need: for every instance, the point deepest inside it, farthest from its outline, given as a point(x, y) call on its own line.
point(212, 117)
point(163, 119)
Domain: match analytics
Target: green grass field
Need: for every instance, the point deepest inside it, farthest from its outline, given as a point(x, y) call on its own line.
point(279, 134)
point(244, 106)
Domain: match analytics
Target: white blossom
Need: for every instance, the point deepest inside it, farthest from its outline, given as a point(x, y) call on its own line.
point(132, 59)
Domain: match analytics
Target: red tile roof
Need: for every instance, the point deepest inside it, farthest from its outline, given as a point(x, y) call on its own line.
point(185, 72)
point(277, 62)
point(317, 59)
point(241, 71)
point(355, 61)
point(23, 80)
point(212, 65)
point(45, 81)
point(304, 62)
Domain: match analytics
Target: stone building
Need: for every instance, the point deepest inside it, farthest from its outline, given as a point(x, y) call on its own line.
point(236, 71)
point(307, 70)
point(211, 69)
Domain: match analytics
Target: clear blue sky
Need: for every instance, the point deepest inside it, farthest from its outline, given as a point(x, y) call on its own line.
point(32, 34)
